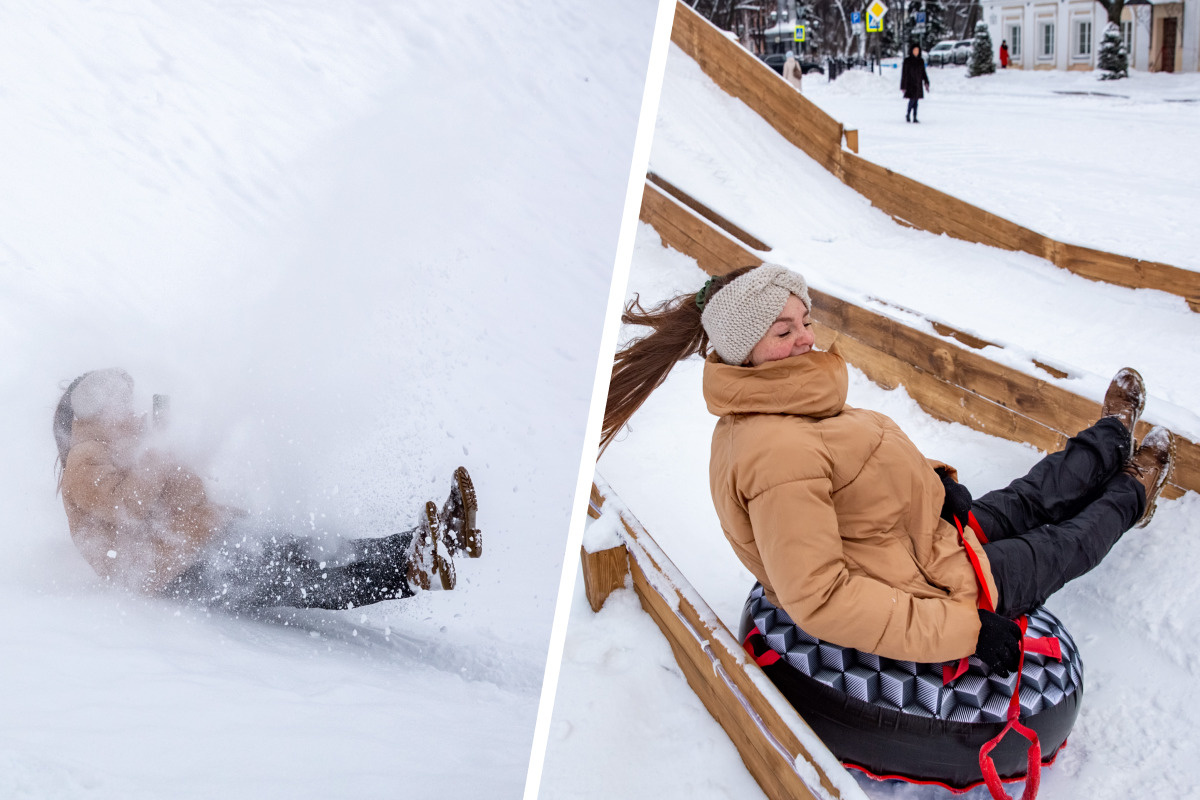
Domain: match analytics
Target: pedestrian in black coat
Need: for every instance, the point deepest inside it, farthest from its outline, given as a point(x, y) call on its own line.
point(913, 82)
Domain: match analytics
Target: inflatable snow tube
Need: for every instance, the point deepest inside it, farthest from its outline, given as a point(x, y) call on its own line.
point(899, 719)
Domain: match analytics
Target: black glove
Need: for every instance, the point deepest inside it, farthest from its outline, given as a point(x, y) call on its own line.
point(958, 499)
point(999, 645)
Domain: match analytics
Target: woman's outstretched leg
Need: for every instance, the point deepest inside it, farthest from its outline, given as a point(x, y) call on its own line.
point(1030, 567)
point(291, 572)
point(1063, 483)
point(246, 572)
point(1059, 486)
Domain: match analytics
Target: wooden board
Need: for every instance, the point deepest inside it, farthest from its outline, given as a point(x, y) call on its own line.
point(819, 136)
point(768, 734)
point(706, 212)
point(679, 227)
point(939, 374)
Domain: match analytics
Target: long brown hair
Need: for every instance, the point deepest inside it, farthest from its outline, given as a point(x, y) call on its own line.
point(64, 417)
point(641, 367)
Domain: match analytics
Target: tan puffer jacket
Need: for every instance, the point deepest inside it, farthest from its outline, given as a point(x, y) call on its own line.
point(836, 512)
point(137, 518)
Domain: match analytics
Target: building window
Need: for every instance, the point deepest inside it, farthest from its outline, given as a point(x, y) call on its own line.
point(1046, 39)
point(1083, 38)
point(1014, 38)
point(1127, 36)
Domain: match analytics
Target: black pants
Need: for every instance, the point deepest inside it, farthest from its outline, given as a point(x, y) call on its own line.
point(1061, 519)
point(243, 572)
point(912, 107)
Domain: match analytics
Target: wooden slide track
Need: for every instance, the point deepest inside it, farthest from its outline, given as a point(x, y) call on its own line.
point(943, 372)
point(806, 126)
point(782, 753)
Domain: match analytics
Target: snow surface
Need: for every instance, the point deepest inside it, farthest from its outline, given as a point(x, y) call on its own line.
point(358, 245)
point(1112, 165)
point(718, 150)
point(624, 711)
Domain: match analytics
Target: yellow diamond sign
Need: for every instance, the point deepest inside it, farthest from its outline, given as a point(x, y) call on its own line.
point(877, 9)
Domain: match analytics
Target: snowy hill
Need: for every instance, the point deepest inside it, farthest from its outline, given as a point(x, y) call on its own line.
point(622, 701)
point(357, 248)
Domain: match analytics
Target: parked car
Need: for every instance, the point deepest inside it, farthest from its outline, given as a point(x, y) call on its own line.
point(942, 53)
point(775, 62)
point(962, 50)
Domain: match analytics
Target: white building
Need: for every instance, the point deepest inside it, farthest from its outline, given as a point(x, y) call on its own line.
point(1066, 34)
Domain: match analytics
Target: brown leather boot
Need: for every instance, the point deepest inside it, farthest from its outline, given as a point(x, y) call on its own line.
point(1125, 399)
point(1151, 467)
point(425, 561)
point(459, 533)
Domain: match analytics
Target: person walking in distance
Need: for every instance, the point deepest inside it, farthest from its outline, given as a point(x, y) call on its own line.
point(914, 82)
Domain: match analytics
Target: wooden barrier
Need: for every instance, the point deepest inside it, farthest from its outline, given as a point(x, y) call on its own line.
point(951, 382)
point(814, 132)
point(778, 748)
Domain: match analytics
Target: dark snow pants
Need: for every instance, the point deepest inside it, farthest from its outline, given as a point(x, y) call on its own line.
point(242, 573)
point(912, 107)
point(1061, 519)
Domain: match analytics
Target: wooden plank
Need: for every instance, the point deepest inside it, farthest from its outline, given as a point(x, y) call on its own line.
point(742, 75)
point(763, 727)
point(852, 139)
point(819, 136)
point(770, 771)
point(695, 205)
point(604, 572)
point(680, 228)
point(1036, 401)
point(939, 398)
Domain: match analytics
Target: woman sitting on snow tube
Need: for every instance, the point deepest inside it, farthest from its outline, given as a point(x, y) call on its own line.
point(145, 522)
point(847, 527)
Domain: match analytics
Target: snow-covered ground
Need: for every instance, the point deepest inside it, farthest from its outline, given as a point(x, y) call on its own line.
point(1112, 165)
point(624, 712)
point(358, 244)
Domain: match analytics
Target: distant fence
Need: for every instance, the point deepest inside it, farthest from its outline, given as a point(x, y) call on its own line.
point(818, 135)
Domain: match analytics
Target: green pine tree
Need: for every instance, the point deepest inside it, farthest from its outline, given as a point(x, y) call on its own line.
point(1112, 57)
point(982, 62)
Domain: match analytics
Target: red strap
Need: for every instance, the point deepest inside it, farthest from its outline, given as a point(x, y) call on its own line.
point(985, 597)
point(951, 672)
point(766, 659)
point(1045, 646)
point(1033, 775)
point(975, 526)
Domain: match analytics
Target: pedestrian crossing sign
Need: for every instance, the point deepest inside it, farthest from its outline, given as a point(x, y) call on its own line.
point(798, 34)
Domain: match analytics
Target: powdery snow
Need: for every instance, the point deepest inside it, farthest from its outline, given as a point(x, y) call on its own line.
point(358, 245)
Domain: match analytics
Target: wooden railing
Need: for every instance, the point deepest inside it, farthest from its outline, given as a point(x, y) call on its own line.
point(818, 135)
point(783, 754)
point(945, 373)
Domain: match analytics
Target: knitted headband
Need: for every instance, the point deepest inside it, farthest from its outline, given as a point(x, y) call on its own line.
point(740, 313)
point(103, 393)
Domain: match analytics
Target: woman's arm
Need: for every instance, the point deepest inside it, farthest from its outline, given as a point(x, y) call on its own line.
point(93, 483)
point(796, 531)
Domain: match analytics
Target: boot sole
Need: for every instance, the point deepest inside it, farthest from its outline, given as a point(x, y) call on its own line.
point(470, 539)
point(1137, 414)
point(1163, 477)
point(443, 567)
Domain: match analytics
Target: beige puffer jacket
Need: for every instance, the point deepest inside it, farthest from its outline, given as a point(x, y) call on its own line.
point(836, 512)
point(137, 518)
